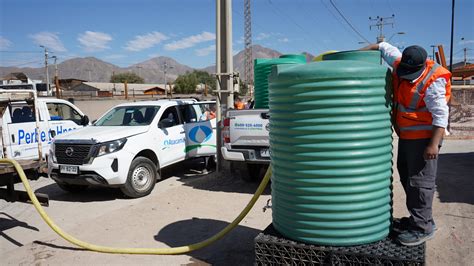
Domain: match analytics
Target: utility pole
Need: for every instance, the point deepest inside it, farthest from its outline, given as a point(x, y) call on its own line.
point(433, 55)
point(465, 56)
point(224, 70)
point(138, 70)
point(380, 23)
point(48, 90)
point(90, 77)
point(56, 78)
point(113, 78)
point(248, 46)
point(165, 68)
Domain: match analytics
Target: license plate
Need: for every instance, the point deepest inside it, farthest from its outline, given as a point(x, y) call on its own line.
point(265, 152)
point(69, 169)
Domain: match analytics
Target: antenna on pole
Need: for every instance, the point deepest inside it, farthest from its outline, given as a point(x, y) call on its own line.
point(248, 45)
point(380, 22)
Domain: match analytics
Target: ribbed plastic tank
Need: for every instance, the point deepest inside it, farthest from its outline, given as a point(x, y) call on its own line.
point(331, 151)
point(262, 68)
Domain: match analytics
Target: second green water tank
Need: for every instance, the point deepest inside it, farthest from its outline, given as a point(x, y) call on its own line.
point(262, 68)
point(331, 144)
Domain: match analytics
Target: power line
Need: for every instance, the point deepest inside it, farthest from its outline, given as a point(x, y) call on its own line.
point(317, 23)
point(390, 6)
point(27, 63)
point(337, 18)
point(289, 18)
point(347, 21)
point(21, 52)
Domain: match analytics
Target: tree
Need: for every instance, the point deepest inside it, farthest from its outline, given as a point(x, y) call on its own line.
point(128, 77)
point(187, 83)
point(243, 88)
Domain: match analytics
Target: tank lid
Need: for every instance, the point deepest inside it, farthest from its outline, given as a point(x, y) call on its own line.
point(294, 56)
point(356, 55)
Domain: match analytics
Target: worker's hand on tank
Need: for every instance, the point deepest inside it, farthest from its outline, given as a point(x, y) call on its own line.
point(431, 152)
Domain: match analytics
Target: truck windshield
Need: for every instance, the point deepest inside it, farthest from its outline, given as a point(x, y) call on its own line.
point(128, 116)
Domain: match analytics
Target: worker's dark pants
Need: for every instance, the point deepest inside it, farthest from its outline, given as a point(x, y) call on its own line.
point(418, 177)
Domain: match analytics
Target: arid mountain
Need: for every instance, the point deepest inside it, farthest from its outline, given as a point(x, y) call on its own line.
point(152, 70)
point(93, 69)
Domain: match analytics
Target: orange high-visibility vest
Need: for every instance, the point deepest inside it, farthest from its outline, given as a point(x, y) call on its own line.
point(413, 120)
point(239, 105)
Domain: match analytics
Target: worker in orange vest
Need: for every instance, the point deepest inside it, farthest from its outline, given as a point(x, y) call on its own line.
point(238, 104)
point(421, 91)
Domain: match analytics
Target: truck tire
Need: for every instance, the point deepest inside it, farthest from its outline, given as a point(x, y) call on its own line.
point(211, 163)
point(72, 188)
point(141, 178)
point(254, 172)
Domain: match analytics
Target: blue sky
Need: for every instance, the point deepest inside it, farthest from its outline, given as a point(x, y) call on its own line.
point(126, 32)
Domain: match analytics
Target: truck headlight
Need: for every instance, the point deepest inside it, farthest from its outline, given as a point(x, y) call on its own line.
point(111, 146)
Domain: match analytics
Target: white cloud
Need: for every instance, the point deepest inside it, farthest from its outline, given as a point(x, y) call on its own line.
point(206, 51)
point(241, 40)
point(114, 56)
point(92, 41)
point(5, 43)
point(262, 36)
point(49, 40)
point(283, 40)
point(190, 41)
point(142, 42)
point(466, 42)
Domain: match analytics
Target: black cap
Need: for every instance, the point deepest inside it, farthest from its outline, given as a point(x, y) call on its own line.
point(412, 63)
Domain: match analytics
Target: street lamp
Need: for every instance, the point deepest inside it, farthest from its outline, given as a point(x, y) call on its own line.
point(396, 33)
point(165, 68)
point(46, 69)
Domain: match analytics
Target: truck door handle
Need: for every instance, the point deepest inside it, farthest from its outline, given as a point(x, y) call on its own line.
point(182, 132)
point(13, 138)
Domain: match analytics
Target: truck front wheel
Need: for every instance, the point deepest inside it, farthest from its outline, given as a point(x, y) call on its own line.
point(141, 178)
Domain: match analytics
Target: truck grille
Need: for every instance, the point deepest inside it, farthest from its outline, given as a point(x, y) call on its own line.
point(75, 154)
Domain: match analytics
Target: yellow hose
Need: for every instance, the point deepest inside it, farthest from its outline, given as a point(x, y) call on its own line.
point(154, 251)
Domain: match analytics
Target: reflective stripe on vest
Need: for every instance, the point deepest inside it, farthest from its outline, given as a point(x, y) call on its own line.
point(404, 109)
point(419, 88)
point(415, 128)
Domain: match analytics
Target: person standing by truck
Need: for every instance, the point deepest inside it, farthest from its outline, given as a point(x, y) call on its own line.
point(238, 104)
point(421, 90)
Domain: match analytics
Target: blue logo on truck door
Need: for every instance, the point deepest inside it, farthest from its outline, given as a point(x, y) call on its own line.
point(200, 134)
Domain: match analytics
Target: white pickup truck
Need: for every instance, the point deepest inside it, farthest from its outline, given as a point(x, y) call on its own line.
point(18, 124)
point(246, 141)
point(27, 126)
point(129, 144)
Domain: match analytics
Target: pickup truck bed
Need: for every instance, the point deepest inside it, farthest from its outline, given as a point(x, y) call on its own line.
point(246, 141)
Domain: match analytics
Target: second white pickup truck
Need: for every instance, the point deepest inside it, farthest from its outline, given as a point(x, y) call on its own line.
point(129, 144)
point(246, 141)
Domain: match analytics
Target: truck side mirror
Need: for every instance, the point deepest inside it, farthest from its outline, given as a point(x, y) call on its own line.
point(53, 133)
point(85, 120)
point(165, 123)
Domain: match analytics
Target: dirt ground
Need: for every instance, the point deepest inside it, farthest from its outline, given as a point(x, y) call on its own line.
point(189, 206)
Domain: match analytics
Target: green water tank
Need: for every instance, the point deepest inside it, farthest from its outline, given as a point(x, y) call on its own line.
point(331, 150)
point(263, 67)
